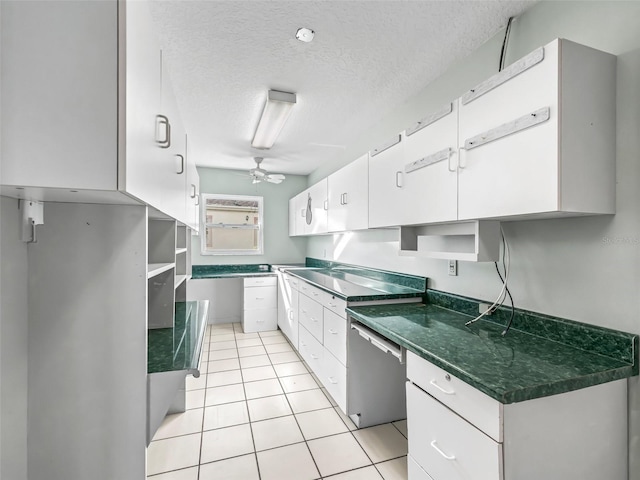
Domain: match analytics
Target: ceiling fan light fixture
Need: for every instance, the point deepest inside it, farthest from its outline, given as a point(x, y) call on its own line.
point(274, 116)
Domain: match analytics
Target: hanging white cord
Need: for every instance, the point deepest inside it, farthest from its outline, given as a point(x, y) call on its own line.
point(507, 268)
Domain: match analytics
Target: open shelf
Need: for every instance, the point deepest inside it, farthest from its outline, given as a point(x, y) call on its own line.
point(180, 279)
point(474, 241)
point(154, 269)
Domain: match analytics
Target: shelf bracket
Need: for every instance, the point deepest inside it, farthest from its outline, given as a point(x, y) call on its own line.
point(32, 215)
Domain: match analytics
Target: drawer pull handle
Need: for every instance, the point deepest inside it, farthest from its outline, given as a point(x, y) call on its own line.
point(313, 320)
point(314, 356)
point(435, 447)
point(259, 281)
point(259, 298)
point(290, 314)
point(303, 344)
point(315, 294)
point(332, 380)
point(332, 305)
point(303, 310)
point(332, 332)
point(446, 392)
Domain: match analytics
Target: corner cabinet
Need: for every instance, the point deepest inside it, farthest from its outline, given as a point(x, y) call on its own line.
point(108, 129)
point(348, 195)
point(539, 137)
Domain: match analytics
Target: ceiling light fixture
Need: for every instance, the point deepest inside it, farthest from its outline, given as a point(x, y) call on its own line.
point(274, 116)
point(305, 34)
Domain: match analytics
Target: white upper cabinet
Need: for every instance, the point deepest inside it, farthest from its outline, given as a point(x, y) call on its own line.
point(430, 171)
point(171, 163)
point(349, 197)
point(539, 137)
point(60, 95)
point(193, 194)
point(315, 207)
point(83, 101)
point(139, 173)
point(386, 182)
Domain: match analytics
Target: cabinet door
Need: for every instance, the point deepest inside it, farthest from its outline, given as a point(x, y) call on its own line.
point(517, 171)
point(431, 182)
point(316, 209)
point(172, 162)
point(292, 217)
point(139, 173)
point(193, 193)
point(348, 195)
point(60, 94)
point(300, 208)
point(288, 308)
point(386, 179)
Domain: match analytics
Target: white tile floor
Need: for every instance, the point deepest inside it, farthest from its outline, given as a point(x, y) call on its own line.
point(256, 413)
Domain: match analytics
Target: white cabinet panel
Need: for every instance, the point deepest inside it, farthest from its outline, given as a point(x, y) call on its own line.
point(260, 298)
point(288, 308)
point(478, 408)
point(192, 193)
point(386, 177)
point(348, 194)
point(316, 209)
point(335, 335)
point(260, 320)
point(311, 314)
point(60, 95)
point(431, 184)
point(312, 351)
point(445, 445)
point(335, 379)
point(564, 163)
point(171, 163)
point(264, 281)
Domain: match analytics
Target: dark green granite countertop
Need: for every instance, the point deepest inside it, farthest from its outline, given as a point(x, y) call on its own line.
point(511, 368)
point(231, 271)
point(179, 348)
point(351, 287)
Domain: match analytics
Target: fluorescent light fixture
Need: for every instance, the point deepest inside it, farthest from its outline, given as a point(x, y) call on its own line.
point(274, 116)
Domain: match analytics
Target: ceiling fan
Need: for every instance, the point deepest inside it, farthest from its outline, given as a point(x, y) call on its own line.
point(260, 175)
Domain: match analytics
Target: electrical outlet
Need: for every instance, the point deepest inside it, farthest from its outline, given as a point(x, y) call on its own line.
point(483, 307)
point(453, 267)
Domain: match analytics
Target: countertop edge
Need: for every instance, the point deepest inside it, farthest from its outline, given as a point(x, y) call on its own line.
point(505, 397)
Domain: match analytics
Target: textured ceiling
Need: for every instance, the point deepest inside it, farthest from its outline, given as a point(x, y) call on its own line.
point(366, 58)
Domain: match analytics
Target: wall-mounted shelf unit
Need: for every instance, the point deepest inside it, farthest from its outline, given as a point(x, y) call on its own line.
point(475, 241)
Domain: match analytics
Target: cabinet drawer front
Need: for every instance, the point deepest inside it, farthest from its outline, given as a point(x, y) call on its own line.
point(415, 471)
point(291, 280)
point(335, 335)
point(311, 350)
point(260, 297)
point(311, 291)
point(260, 320)
point(336, 305)
point(335, 379)
point(260, 281)
point(445, 445)
point(310, 315)
point(479, 409)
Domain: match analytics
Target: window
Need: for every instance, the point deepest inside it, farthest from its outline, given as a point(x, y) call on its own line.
point(232, 225)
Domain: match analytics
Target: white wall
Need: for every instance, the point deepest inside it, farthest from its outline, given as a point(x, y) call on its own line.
point(278, 247)
point(585, 269)
point(13, 344)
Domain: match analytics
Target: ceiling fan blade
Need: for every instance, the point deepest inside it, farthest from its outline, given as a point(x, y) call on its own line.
point(275, 179)
point(277, 176)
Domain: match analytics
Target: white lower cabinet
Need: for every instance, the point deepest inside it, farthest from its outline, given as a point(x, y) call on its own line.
point(335, 379)
point(446, 444)
point(312, 351)
point(458, 433)
point(288, 307)
point(260, 304)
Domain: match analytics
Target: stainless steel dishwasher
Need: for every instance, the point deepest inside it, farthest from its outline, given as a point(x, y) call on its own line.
point(376, 376)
